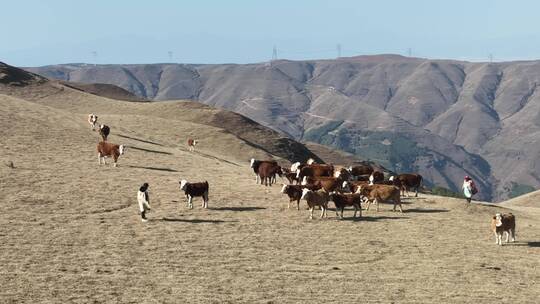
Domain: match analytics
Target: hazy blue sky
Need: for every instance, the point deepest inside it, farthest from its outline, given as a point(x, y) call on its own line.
point(37, 32)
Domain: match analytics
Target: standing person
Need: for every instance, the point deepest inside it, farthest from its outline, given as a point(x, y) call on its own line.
point(469, 188)
point(144, 201)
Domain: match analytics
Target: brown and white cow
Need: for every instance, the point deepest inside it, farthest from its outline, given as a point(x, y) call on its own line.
point(192, 190)
point(267, 172)
point(92, 120)
point(191, 144)
point(106, 149)
point(502, 223)
point(376, 177)
point(294, 192)
point(381, 193)
point(315, 170)
point(408, 181)
point(316, 198)
point(328, 183)
point(104, 131)
point(359, 170)
point(254, 164)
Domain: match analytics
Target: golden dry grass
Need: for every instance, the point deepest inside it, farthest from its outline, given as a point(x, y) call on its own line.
point(71, 232)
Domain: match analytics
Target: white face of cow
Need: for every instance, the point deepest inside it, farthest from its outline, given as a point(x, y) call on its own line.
point(498, 220)
point(391, 178)
point(284, 188)
point(297, 173)
point(252, 162)
point(345, 185)
point(304, 181)
point(183, 184)
point(304, 192)
point(294, 166)
point(121, 149)
point(310, 161)
point(101, 127)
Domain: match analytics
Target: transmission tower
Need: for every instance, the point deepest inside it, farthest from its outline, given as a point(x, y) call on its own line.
point(409, 52)
point(338, 48)
point(274, 53)
point(490, 58)
point(94, 56)
point(170, 56)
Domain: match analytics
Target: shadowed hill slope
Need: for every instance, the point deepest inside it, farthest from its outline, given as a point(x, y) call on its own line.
point(443, 118)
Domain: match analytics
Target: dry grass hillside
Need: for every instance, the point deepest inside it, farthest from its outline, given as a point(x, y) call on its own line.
point(71, 231)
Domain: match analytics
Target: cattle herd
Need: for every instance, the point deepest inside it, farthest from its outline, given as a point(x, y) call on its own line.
point(317, 184)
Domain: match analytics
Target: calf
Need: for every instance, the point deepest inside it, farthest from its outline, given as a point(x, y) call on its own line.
point(381, 193)
point(316, 198)
point(267, 172)
point(191, 143)
point(105, 149)
point(104, 131)
point(349, 199)
point(294, 192)
point(502, 223)
point(409, 180)
point(92, 119)
point(254, 164)
point(192, 190)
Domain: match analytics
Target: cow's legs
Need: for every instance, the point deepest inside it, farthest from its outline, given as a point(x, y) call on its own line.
point(322, 211)
point(513, 235)
point(310, 213)
point(190, 202)
point(416, 195)
point(99, 158)
point(298, 204)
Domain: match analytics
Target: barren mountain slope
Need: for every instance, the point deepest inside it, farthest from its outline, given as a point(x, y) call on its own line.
point(71, 230)
point(445, 119)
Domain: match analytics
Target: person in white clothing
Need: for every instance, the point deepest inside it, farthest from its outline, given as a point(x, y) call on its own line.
point(144, 201)
point(469, 188)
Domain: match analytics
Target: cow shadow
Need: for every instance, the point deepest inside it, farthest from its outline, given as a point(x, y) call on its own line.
point(149, 150)
point(141, 140)
point(368, 218)
point(530, 244)
point(235, 209)
point(153, 168)
point(192, 221)
point(419, 210)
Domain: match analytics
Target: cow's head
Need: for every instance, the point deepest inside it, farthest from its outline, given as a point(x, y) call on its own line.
point(310, 161)
point(305, 191)
point(183, 184)
point(284, 188)
point(298, 173)
point(121, 149)
point(101, 127)
point(346, 185)
point(304, 181)
point(498, 220)
point(391, 178)
point(360, 189)
point(295, 166)
point(252, 162)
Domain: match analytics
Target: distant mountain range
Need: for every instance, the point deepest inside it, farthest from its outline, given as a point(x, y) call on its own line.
point(442, 118)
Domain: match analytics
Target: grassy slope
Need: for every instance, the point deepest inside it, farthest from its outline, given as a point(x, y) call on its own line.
point(71, 231)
